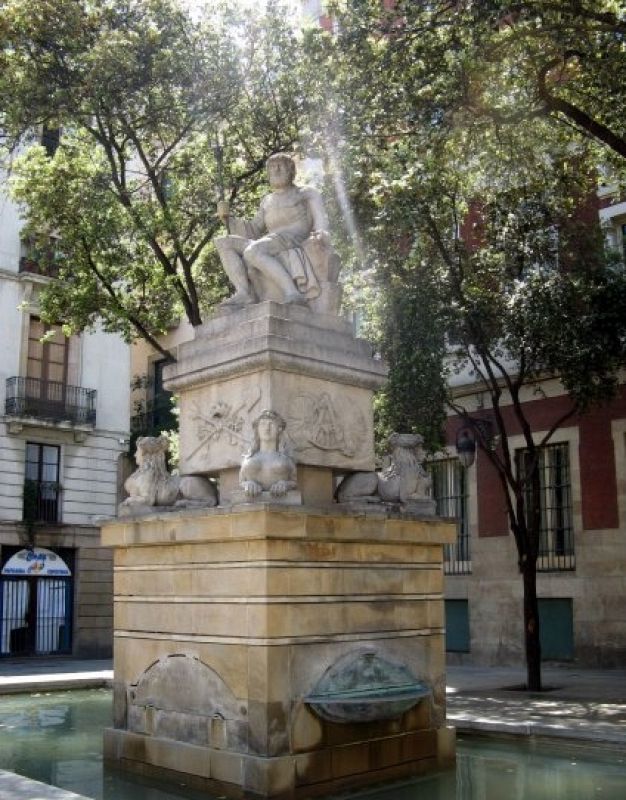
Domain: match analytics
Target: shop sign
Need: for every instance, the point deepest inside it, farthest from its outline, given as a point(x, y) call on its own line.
point(37, 562)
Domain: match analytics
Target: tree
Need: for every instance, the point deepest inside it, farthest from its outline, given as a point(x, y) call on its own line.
point(501, 61)
point(472, 218)
point(146, 98)
point(564, 60)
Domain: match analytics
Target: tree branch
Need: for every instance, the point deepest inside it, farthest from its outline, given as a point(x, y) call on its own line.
point(556, 425)
point(134, 321)
point(583, 120)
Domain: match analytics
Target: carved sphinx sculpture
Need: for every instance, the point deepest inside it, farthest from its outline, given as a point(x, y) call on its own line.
point(404, 482)
point(267, 467)
point(151, 486)
point(284, 253)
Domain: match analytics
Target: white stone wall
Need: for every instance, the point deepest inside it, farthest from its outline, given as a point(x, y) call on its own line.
point(98, 360)
point(10, 226)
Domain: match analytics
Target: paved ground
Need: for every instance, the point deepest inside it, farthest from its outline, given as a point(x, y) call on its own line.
point(587, 705)
point(28, 675)
point(16, 787)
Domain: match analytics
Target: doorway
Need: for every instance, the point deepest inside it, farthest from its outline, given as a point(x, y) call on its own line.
point(36, 599)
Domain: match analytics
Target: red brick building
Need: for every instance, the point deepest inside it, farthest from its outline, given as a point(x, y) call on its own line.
point(582, 564)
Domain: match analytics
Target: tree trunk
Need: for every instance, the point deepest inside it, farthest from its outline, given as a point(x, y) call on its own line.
point(531, 627)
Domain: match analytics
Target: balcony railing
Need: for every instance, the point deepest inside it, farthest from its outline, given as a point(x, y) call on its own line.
point(46, 266)
point(158, 416)
point(41, 501)
point(50, 400)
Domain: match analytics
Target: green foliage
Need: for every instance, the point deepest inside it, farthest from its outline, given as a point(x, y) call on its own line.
point(495, 63)
point(142, 93)
point(468, 194)
point(413, 342)
point(471, 134)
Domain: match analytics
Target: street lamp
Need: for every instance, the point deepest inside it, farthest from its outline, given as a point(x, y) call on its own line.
point(465, 447)
point(466, 439)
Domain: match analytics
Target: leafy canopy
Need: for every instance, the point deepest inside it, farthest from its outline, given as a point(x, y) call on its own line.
point(474, 198)
point(146, 98)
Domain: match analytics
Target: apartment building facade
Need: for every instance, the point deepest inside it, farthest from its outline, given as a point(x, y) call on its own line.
point(64, 427)
point(581, 582)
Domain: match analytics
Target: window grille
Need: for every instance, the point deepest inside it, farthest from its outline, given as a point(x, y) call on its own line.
point(50, 138)
point(41, 483)
point(157, 413)
point(556, 537)
point(450, 495)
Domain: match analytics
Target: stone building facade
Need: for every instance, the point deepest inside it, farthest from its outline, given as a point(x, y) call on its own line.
point(63, 428)
point(582, 567)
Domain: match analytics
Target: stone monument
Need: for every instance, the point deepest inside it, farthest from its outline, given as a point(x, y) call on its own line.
point(288, 641)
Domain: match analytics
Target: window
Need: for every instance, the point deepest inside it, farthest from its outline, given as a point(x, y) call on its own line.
point(450, 494)
point(50, 138)
point(163, 416)
point(556, 538)
point(155, 413)
point(41, 484)
point(45, 389)
point(47, 361)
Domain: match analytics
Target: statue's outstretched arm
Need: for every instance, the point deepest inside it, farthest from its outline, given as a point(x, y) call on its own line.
point(248, 228)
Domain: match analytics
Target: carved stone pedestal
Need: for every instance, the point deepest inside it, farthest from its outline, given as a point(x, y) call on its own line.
point(282, 647)
point(233, 624)
point(307, 367)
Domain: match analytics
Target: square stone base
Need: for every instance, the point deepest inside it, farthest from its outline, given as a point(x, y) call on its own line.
point(227, 620)
point(307, 367)
point(329, 770)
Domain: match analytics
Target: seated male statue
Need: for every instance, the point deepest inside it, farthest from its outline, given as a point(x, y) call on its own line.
point(263, 257)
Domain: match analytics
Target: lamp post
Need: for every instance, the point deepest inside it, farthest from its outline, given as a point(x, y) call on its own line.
point(466, 439)
point(465, 447)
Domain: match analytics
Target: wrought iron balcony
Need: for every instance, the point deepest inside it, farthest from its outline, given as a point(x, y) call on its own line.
point(45, 266)
point(157, 415)
point(50, 400)
point(41, 501)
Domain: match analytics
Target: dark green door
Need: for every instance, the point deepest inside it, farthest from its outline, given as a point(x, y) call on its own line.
point(457, 626)
point(556, 628)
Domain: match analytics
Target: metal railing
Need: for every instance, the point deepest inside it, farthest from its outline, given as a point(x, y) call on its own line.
point(50, 400)
point(36, 616)
point(41, 501)
point(556, 536)
point(46, 266)
point(158, 416)
point(450, 495)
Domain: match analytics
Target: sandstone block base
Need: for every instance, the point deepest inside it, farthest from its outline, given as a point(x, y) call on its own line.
point(226, 620)
point(291, 776)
